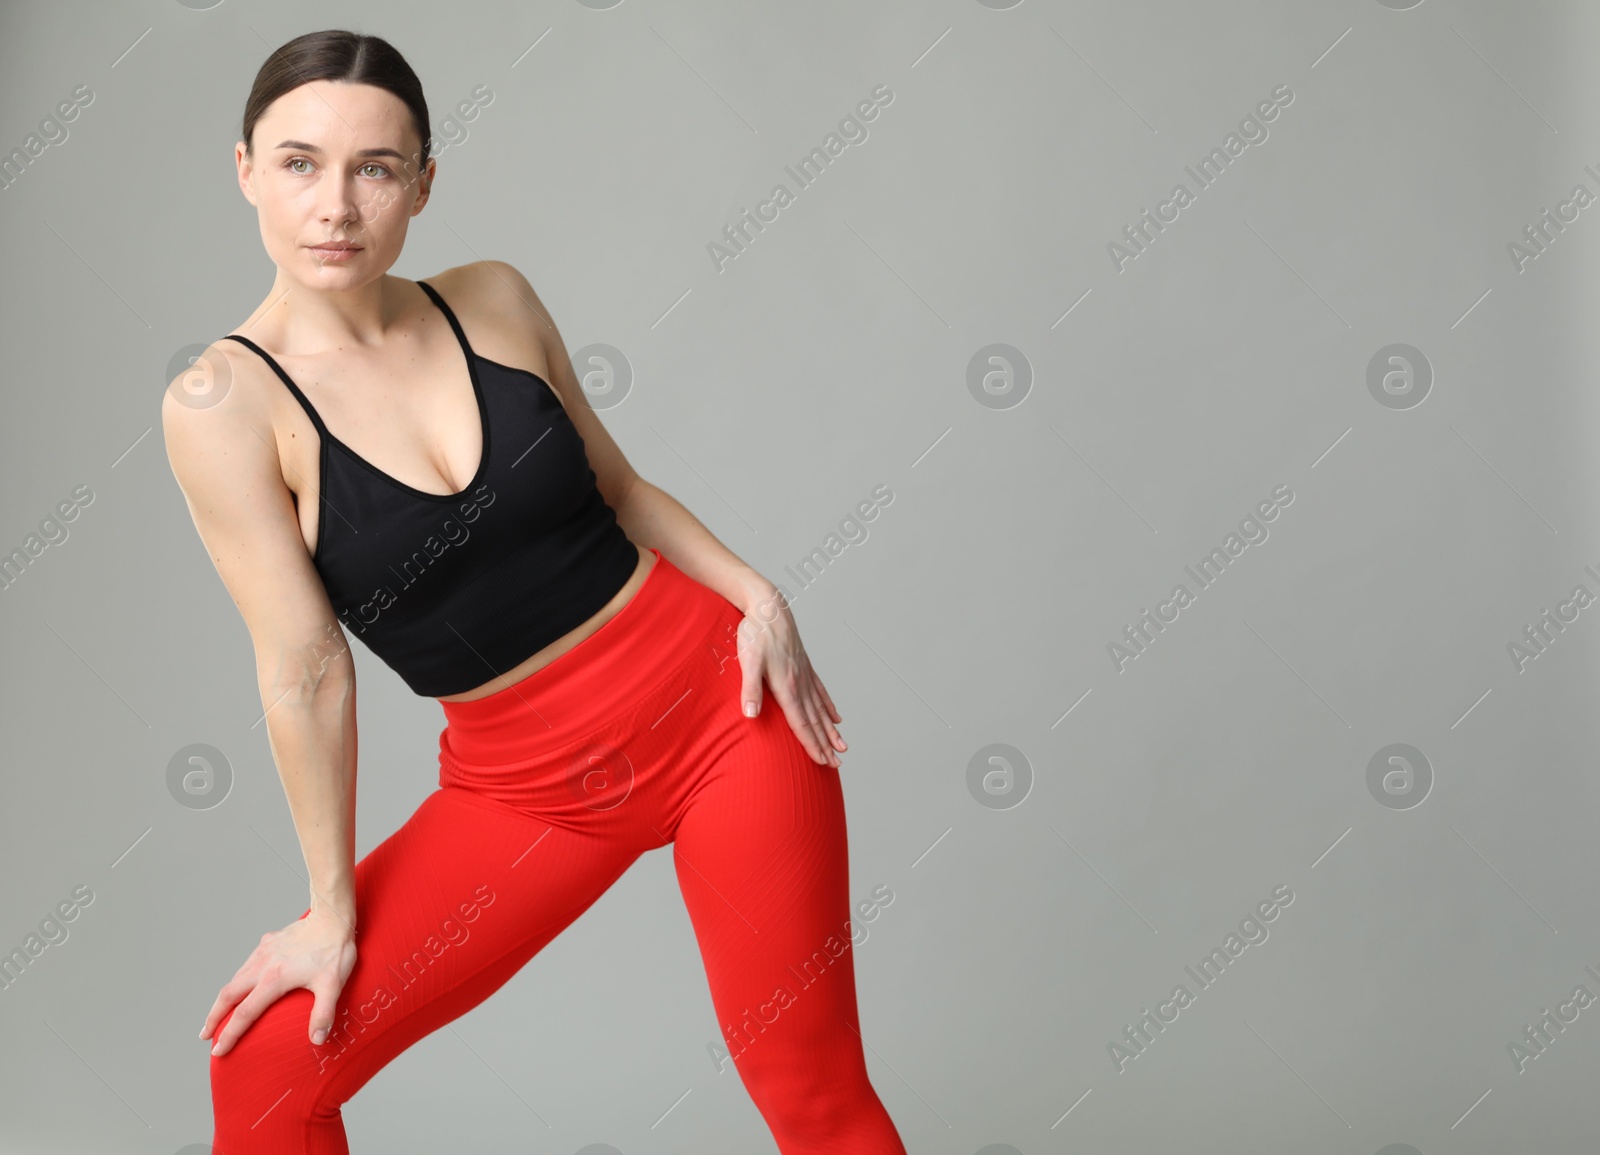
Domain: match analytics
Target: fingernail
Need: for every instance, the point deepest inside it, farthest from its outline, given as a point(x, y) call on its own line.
point(214, 1049)
point(318, 1037)
point(749, 709)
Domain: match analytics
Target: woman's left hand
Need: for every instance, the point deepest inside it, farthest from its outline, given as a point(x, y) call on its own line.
point(772, 650)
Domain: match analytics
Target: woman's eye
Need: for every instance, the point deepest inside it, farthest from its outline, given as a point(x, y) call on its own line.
point(381, 170)
point(297, 160)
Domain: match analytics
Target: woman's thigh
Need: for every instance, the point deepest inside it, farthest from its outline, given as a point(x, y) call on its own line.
point(763, 863)
point(449, 907)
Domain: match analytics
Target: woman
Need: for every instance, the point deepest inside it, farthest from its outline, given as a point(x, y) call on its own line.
point(416, 461)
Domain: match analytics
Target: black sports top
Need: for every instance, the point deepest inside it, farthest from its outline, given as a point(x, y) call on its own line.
point(451, 589)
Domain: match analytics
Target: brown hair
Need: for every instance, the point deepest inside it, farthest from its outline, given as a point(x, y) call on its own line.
point(335, 54)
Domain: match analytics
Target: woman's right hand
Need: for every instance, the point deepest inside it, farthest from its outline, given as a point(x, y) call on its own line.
point(316, 951)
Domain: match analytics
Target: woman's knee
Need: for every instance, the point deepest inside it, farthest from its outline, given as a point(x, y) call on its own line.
point(272, 1078)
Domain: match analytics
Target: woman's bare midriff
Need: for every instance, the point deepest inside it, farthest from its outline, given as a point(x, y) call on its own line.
point(542, 658)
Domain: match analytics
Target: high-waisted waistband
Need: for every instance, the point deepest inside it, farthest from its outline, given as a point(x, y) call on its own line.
point(662, 626)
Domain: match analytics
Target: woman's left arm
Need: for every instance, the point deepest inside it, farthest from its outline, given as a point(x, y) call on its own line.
point(769, 641)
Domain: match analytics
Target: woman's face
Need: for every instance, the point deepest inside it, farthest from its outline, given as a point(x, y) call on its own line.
point(334, 163)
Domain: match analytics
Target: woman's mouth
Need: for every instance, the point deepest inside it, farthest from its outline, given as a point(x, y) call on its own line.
point(336, 252)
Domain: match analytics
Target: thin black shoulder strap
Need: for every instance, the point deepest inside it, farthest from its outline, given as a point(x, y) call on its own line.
point(305, 403)
point(448, 314)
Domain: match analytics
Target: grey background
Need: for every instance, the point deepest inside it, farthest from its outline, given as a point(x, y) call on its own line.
point(1160, 805)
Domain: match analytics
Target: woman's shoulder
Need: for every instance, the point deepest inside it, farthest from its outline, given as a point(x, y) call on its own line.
point(503, 316)
point(227, 400)
point(485, 286)
point(208, 378)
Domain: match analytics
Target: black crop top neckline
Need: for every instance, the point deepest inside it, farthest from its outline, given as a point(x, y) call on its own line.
point(445, 601)
point(329, 438)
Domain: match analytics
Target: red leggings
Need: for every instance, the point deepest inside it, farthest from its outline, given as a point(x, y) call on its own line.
point(548, 791)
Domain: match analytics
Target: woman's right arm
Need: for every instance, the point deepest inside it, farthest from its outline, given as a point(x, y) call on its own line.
point(225, 459)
